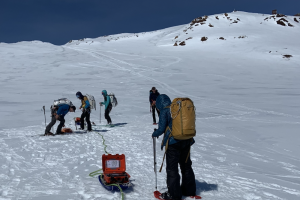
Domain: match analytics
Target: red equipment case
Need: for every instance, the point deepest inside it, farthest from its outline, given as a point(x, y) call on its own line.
point(114, 168)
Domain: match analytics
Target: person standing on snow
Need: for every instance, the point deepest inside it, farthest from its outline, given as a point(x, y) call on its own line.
point(108, 106)
point(58, 113)
point(152, 99)
point(86, 111)
point(178, 152)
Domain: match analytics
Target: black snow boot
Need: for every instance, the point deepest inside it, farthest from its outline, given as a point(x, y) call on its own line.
point(166, 196)
point(48, 134)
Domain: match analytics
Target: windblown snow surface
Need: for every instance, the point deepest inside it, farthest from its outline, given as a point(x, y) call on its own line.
point(245, 91)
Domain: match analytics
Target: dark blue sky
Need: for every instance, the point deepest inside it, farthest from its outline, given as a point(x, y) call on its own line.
point(58, 21)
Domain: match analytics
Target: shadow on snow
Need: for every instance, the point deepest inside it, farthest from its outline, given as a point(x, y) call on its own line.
point(205, 187)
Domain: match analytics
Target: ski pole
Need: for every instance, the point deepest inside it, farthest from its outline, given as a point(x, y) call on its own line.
point(75, 123)
point(100, 113)
point(44, 114)
point(154, 154)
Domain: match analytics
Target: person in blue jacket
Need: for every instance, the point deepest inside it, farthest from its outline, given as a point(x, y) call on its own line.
point(108, 106)
point(58, 113)
point(86, 111)
point(178, 152)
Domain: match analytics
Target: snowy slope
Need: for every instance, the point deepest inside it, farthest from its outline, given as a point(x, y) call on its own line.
point(245, 91)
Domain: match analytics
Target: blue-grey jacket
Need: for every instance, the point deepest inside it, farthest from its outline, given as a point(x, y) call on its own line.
point(63, 110)
point(165, 119)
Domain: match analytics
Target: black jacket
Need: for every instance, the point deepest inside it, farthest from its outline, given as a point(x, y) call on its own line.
point(153, 96)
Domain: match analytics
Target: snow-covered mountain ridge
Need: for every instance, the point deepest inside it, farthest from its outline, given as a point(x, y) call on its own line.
point(234, 21)
point(222, 31)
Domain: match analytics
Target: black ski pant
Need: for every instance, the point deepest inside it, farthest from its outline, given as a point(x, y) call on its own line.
point(153, 113)
point(53, 121)
point(176, 154)
point(85, 114)
point(106, 115)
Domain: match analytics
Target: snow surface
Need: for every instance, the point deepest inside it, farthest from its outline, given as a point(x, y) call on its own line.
point(245, 92)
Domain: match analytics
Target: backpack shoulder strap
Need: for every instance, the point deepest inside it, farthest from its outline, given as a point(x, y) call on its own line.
point(188, 153)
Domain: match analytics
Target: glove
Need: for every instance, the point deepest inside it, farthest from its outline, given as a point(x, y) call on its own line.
point(154, 102)
point(154, 131)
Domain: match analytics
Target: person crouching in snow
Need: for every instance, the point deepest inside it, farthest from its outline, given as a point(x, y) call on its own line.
point(178, 152)
point(86, 111)
point(58, 113)
point(108, 106)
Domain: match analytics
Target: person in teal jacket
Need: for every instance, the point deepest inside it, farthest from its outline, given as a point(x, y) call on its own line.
point(108, 106)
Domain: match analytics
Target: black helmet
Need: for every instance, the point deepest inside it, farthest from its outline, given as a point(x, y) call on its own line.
point(79, 95)
point(73, 107)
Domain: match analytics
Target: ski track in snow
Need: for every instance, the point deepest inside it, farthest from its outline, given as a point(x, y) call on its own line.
point(230, 161)
point(134, 69)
